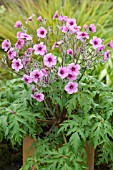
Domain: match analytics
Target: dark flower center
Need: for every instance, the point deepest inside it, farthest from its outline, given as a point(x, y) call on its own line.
point(95, 42)
point(107, 55)
point(36, 75)
point(49, 59)
point(26, 79)
point(38, 96)
point(42, 32)
point(7, 45)
point(61, 72)
point(71, 86)
point(73, 69)
point(10, 52)
point(17, 64)
point(40, 48)
point(70, 75)
point(19, 42)
point(71, 23)
point(90, 28)
point(83, 34)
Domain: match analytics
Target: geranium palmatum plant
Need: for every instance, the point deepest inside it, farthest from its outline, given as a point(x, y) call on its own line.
point(59, 89)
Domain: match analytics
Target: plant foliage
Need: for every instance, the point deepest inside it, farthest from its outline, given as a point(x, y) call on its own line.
point(89, 119)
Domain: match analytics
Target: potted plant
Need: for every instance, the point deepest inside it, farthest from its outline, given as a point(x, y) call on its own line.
point(56, 100)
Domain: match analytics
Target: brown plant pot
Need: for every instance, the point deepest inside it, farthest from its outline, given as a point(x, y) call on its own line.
point(90, 161)
point(28, 141)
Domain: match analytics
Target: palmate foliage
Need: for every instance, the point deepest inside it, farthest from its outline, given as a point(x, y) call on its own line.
point(89, 119)
point(16, 118)
point(98, 12)
point(64, 158)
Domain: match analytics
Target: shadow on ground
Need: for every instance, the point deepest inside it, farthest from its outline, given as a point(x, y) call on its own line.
point(10, 158)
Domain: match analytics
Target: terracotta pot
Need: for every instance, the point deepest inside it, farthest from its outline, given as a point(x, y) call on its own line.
point(28, 141)
point(90, 160)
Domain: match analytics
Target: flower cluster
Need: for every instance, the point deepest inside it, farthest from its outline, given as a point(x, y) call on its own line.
point(78, 53)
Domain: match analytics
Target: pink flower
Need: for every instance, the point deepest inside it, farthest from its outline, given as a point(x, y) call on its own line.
point(30, 18)
point(63, 18)
point(41, 32)
point(18, 34)
point(38, 96)
point(18, 24)
point(64, 29)
point(55, 15)
point(96, 42)
point(26, 36)
point(92, 28)
point(106, 55)
point(27, 79)
point(26, 60)
point(39, 18)
point(71, 87)
point(110, 44)
point(25, 54)
point(62, 72)
point(5, 45)
point(71, 77)
point(36, 75)
point(20, 43)
point(11, 54)
point(102, 47)
point(17, 65)
point(40, 49)
point(29, 50)
point(71, 22)
point(74, 69)
point(33, 89)
point(82, 35)
point(74, 29)
point(49, 60)
point(70, 51)
point(45, 73)
point(85, 26)
point(56, 44)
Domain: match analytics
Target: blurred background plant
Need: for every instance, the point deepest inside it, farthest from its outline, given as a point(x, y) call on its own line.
point(85, 11)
